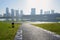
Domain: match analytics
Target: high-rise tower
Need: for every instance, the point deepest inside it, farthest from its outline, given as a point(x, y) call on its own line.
point(17, 15)
point(41, 11)
point(21, 14)
point(52, 11)
point(7, 14)
point(33, 11)
point(12, 14)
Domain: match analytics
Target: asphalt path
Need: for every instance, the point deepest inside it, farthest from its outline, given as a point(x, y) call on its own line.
point(30, 32)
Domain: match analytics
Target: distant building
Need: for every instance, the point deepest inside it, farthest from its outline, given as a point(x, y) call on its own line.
point(12, 14)
point(0, 15)
point(33, 11)
point(7, 10)
point(7, 14)
point(21, 12)
point(47, 12)
point(41, 11)
point(4, 15)
point(52, 11)
point(17, 15)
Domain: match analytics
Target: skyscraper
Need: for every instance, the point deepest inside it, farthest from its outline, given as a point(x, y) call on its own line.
point(17, 15)
point(41, 11)
point(52, 11)
point(47, 12)
point(0, 15)
point(7, 14)
point(12, 14)
point(7, 11)
point(33, 11)
point(21, 14)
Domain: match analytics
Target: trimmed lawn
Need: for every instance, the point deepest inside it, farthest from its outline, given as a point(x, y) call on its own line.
point(54, 27)
point(7, 32)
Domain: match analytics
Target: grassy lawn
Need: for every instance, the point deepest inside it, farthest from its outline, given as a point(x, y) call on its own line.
point(54, 27)
point(7, 32)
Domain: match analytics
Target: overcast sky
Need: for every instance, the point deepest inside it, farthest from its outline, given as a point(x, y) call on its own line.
point(26, 5)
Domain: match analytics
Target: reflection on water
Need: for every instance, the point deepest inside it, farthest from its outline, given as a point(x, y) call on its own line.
point(2, 19)
point(5, 19)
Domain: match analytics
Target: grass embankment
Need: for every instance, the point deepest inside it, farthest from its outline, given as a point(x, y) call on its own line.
point(54, 27)
point(7, 32)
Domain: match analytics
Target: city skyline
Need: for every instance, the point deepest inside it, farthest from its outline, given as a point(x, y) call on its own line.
point(28, 4)
point(12, 12)
point(18, 15)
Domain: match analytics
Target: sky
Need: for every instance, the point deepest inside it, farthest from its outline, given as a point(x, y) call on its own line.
point(26, 5)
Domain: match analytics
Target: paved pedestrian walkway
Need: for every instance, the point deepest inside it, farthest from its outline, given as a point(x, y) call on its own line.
point(29, 32)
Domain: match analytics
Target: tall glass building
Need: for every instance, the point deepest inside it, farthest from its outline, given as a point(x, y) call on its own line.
point(7, 14)
point(12, 14)
point(41, 11)
point(33, 11)
point(17, 15)
point(52, 11)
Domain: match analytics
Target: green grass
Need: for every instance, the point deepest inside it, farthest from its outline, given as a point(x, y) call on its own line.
point(7, 32)
point(54, 27)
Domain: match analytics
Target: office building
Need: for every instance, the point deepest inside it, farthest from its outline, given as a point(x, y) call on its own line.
point(12, 14)
point(21, 12)
point(7, 14)
point(33, 11)
point(52, 11)
point(47, 12)
point(41, 11)
point(17, 15)
point(0, 15)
